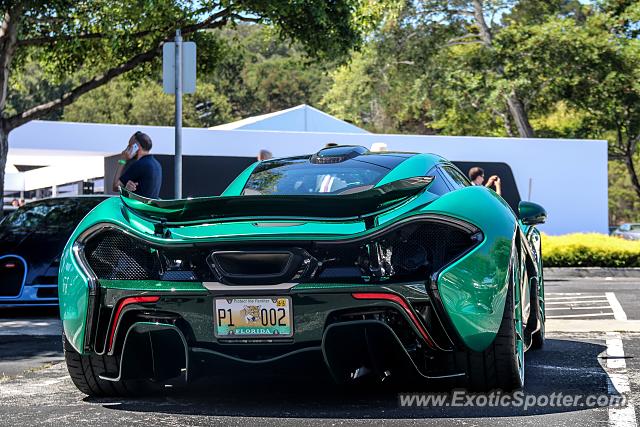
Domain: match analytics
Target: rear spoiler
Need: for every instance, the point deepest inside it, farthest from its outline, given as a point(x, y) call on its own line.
point(319, 205)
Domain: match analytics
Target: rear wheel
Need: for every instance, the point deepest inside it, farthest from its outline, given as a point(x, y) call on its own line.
point(501, 365)
point(85, 370)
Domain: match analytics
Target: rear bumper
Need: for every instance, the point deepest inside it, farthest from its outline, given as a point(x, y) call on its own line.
point(352, 335)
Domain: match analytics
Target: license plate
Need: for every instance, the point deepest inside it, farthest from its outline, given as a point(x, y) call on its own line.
point(253, 317)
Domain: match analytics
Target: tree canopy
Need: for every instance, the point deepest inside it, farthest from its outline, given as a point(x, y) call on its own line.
point(80, 45)
point(559, 68)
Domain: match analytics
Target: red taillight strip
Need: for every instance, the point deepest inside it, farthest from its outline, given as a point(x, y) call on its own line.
point(400, 301)
point(121, 305)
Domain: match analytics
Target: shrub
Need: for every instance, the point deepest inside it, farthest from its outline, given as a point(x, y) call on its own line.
point(589, 250)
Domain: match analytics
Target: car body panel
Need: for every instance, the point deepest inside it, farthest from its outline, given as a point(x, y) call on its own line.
point(473, 289)
point(416, 165)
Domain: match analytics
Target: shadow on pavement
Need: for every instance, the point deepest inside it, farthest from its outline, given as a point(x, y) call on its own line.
point(21, 347)
point(563, 366)
point(22, 312)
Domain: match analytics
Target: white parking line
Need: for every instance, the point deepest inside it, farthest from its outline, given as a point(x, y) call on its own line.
point(573, 298)
point(565, 293)
point(582, 302)
point(584, 305)
point(579, 308)
point(618, 382)
point(618, 312)
point(564, 316)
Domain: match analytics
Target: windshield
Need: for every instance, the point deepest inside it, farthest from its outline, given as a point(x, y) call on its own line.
point(299, 176)
point(49, 215)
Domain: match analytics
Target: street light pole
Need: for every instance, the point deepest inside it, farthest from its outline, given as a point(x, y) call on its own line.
point(178, 126)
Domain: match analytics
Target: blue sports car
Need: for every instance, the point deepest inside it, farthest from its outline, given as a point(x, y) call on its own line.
point(31, 242)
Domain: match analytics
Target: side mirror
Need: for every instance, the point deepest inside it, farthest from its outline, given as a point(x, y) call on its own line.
point(531, 213)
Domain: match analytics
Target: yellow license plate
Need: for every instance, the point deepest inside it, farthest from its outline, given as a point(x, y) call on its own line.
point(259, 317)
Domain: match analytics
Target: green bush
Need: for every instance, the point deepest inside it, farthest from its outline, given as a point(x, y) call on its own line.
point(589, 250)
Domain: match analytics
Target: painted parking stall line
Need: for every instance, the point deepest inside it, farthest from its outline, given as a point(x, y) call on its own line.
point(602, 305)
point(615, 305)
point(618, 382)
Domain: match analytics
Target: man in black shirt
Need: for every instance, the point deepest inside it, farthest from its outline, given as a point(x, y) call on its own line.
point(144, 176)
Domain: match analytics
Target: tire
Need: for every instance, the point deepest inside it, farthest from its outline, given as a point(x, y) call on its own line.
point(85, 370)
point(501, 365)
point(537, 338)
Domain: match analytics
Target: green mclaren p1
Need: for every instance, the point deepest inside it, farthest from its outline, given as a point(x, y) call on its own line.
point(379, 265)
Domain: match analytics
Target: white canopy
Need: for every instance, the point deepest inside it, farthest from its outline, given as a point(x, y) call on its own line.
point(302, 118)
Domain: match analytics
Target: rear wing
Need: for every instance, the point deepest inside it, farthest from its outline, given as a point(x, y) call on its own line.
point(318, 205)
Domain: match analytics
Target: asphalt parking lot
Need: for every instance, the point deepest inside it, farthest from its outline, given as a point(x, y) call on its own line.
point(593, 338)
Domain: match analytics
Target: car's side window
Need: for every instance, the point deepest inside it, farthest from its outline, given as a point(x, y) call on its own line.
point(457, 177)
point(439, 185)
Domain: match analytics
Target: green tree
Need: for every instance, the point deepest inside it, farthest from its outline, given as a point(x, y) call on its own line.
point(108, 38)
point(443, 66)
point(110, 103)
point(254, 72)
point(594, 66)
point(144, 103)
point(261, 73)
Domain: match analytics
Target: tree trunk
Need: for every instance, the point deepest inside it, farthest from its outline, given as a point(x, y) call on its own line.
point(520, 116)
point(483, 28)
point(4, 148)
point(506, 121)
point(8, 38)
point(515, 104)
point(633, 174)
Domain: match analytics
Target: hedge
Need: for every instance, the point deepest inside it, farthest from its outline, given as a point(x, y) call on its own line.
point(589, 250)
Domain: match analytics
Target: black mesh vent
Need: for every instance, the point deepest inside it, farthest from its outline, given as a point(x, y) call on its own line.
point(410, 252)
point(114, 255)
point(442, 243)
point(11, 276)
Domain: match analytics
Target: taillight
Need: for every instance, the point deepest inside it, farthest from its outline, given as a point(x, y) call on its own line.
point(118, 312)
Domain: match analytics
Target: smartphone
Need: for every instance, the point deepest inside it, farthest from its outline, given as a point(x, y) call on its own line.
point(134, 149)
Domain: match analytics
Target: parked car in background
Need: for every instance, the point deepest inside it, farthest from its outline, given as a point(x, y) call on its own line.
point(31, 241)
point(628, 231)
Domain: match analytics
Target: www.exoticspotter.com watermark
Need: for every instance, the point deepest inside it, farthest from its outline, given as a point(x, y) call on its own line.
point(518, 399)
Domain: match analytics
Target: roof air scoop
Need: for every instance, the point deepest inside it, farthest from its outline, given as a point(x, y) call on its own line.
point(337, 154)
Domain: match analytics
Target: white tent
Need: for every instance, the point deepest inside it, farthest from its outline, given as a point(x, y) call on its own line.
point(302, 118)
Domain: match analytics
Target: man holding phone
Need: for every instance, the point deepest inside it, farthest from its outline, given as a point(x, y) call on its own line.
point(144, 175)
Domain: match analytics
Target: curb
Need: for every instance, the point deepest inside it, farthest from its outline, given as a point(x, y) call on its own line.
point(559, 272)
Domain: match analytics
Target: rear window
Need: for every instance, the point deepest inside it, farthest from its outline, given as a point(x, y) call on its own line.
point(50, 215)
point(299, 176)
